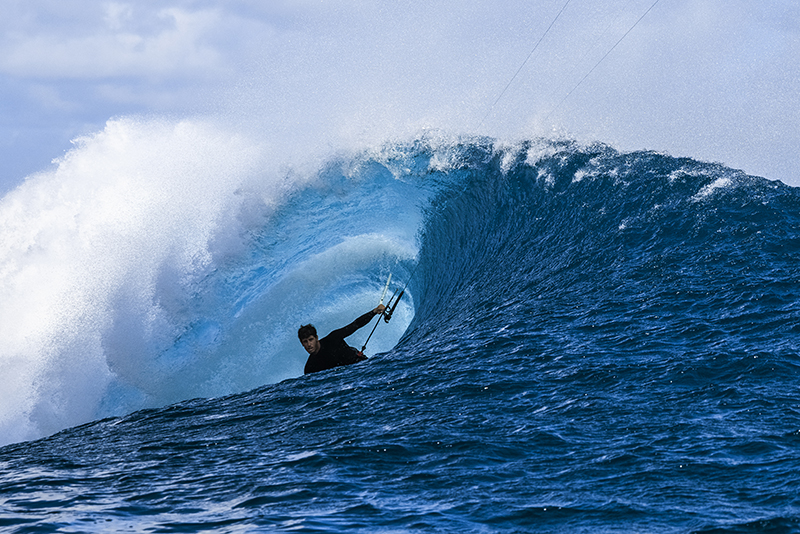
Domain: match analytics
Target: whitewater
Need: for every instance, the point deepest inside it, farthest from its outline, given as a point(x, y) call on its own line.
point(592, 341)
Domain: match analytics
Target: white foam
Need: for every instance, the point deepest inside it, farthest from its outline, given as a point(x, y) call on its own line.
point(708, 190)
point(94, 254)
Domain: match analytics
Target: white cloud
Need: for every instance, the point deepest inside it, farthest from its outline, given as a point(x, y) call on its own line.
point(117, 15)
point(179, 47)
point(712, 79)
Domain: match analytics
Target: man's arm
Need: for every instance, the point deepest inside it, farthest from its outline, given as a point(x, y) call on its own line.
point(358, 323)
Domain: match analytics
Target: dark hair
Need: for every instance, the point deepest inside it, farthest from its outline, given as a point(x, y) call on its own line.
point(305, 331)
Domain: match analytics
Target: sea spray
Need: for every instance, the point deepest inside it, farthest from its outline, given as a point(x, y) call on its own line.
point(165, 260)
point(100, 255)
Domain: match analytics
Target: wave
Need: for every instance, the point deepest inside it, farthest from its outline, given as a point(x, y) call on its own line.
point(166, 260)
point(162, 261)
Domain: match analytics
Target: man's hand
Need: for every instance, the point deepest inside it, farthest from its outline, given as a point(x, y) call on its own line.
point(379, 310)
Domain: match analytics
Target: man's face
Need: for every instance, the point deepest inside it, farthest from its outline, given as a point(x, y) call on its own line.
point(311, 344)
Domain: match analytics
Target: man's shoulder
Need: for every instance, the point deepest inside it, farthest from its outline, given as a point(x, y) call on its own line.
point(332, 340)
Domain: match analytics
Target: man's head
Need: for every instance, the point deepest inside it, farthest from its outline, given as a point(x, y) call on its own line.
point(308, 337)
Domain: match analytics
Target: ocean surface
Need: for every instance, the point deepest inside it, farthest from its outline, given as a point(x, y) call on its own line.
point(591, 342)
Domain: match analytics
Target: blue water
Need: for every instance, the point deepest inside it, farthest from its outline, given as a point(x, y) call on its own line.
point(593, 341)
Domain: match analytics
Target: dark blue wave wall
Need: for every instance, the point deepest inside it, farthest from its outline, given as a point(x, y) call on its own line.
point(634, 251)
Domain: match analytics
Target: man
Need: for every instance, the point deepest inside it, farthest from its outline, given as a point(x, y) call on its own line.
point(332, 351)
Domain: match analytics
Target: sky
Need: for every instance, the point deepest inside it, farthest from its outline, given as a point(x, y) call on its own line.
point(716, 80)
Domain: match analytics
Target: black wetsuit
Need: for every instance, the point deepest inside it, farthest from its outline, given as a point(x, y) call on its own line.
point(333, 351)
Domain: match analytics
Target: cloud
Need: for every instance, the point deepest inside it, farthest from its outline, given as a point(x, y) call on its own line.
point(711, 79)
point(176, 46)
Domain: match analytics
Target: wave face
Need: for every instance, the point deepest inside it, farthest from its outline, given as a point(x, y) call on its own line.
point(595, 342)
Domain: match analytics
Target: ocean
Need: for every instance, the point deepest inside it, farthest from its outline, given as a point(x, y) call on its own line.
point(592, 341)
